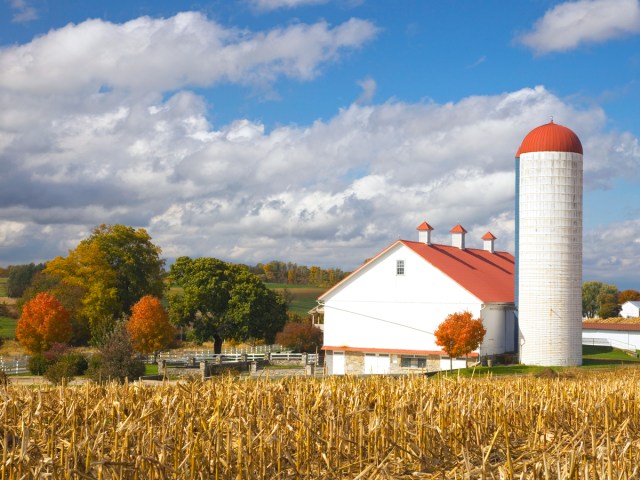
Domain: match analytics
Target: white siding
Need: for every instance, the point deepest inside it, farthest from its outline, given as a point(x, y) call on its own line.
point(630, 309)
point(620, 339)
point(550, 258)
point(376, 308)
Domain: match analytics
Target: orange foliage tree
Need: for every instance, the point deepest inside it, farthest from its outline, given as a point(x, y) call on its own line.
point(459, 335)
point(44, 321)
point(149, 326)
point(628, 295)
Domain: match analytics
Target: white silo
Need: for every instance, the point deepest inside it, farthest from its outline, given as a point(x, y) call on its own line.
point(549, 246)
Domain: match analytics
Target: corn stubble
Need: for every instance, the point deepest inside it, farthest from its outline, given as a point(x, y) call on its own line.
point(343, 427)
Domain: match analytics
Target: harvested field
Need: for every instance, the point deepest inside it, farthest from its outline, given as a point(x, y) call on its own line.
point(587, 426)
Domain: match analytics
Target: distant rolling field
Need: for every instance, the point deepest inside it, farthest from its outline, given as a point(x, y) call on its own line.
point(303, 296)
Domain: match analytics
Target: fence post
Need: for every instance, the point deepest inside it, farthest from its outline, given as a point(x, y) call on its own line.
point(303, 359)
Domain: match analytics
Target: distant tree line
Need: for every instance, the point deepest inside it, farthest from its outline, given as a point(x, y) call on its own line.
point(293, 274)
point(603, 300)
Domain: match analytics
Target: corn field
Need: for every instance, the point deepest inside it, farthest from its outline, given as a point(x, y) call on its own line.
point(585, 426)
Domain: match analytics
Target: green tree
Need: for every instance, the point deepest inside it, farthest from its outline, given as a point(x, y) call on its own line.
point(116, 360)
point(20, 277)
point(593, 295)
point(220, 300)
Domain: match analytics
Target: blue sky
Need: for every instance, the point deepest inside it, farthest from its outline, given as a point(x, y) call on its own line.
point(311, 131)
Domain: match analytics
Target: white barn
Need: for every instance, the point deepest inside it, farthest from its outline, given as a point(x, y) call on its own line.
point(381, 318)
point(630, 309)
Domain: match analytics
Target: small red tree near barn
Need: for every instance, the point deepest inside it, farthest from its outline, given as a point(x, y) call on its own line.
point(44, 321)
point(149, 326)
point(459, 335)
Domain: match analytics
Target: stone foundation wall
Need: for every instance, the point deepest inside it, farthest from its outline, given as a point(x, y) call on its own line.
point(354, 363)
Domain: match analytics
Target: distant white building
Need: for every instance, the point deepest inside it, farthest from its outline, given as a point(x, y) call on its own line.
point(630, 309)
point(381, 318)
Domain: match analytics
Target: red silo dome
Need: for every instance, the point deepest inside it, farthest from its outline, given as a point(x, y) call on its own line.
point(550, 138)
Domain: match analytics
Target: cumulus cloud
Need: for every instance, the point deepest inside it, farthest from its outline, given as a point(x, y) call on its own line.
point(571, 24)
point(332, 192)
point(166, 54)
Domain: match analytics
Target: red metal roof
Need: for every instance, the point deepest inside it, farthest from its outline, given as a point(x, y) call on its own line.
point(424, 226)
point(550, 138)
point(488, 276)
point(632, 327)
point(489, 236)
point(458, 229)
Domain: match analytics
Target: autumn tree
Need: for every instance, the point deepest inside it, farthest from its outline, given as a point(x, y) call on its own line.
point(44, 321)
point(220, 300)
point(109, 272)
point(459, 335)
point(300, 337)
point(628, 296)
point(149, 327)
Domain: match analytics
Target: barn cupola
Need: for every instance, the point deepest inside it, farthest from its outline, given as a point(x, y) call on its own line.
point(424, 233)
point(488, 238)
point(457, 236)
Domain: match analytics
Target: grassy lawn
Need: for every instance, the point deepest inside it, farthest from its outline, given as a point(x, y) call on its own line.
point(592, 357)
point(303, 297)
point(150, 369)
point(8, 327)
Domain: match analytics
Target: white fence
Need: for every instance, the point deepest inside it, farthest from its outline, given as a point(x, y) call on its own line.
point(198, 356)
point(14, 365)
point(608, 342)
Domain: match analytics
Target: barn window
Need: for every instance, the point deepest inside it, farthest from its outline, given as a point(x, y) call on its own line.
point(399, 267)
point(413, 361)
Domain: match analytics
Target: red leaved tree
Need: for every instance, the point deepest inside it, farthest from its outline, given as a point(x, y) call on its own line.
point(459, 335)
point(301, 337)
point(44, 321)
point(149, 327)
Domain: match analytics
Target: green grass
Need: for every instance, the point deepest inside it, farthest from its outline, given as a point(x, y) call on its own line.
point(303, 297)
point(598, 356)
point(150, 369)
point(3, 287)
point(8, 327)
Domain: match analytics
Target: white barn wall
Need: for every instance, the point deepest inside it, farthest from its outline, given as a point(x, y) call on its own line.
point(630, 310)
point(394, 311)
point(619, 338)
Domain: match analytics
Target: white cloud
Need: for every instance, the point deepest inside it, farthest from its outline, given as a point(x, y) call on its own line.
point(166, 54)
point(571, 24)
point(369, 87)
point(266, 5)
point(23, 12)
point(332, 192)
